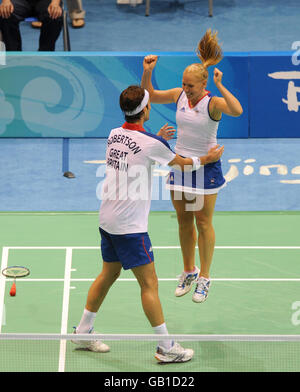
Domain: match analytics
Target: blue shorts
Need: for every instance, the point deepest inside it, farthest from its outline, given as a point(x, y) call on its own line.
point(131, 250)
point(206, 180)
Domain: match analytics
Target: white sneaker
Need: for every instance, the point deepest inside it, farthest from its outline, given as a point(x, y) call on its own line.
point(201, 290)
point(92, 345)
point(185, 282)
point(175, 354)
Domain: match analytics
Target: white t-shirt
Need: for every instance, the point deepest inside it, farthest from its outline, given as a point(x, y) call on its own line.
point(126, 193)
point(196, 130)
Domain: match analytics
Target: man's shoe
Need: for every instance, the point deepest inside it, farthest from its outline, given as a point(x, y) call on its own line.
point(92, 345)
point(176, 354)
point(78, 23)
point(36, 24)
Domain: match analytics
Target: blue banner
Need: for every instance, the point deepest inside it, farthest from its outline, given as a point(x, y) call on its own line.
point(78, 95)
point(274, 95)
point(59, 95)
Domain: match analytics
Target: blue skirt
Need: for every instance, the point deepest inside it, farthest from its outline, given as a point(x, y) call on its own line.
point(206, 180)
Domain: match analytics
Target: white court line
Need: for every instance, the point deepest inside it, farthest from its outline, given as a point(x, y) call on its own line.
point(4, 261)
point(167, 280)
point(48, 213)
point(65, 309)
point(154, 247)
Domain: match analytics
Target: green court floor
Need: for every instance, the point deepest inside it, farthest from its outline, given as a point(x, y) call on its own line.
point(255, 291)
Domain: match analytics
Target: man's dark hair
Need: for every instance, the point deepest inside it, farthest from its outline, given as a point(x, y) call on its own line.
point(130, 99)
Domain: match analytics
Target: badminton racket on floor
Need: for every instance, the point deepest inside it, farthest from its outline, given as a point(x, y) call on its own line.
point(15, 272)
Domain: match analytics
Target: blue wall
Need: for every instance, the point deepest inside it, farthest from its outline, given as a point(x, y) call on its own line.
point(274, 95)
point(77, 95)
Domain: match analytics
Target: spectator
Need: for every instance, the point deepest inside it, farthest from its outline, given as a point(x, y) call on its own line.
point(12, 12)
point(76, 13)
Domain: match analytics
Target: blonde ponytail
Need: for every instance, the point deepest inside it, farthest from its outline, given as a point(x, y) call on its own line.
point(209, 50)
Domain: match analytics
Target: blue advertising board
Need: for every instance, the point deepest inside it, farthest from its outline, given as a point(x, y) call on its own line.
point(274, 82)
point(77, 95)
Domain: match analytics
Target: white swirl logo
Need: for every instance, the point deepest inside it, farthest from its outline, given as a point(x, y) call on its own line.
point(61, 100)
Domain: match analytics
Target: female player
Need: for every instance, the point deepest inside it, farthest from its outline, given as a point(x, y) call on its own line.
point(123, 218)
point(198, 115)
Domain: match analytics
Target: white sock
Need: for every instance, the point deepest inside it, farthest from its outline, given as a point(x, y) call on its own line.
point(162, 330)
point(86, 322)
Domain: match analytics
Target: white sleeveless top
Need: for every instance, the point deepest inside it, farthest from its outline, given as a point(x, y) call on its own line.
point(196, 131)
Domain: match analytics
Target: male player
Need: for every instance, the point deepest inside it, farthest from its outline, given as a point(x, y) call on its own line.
point(123, 217)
